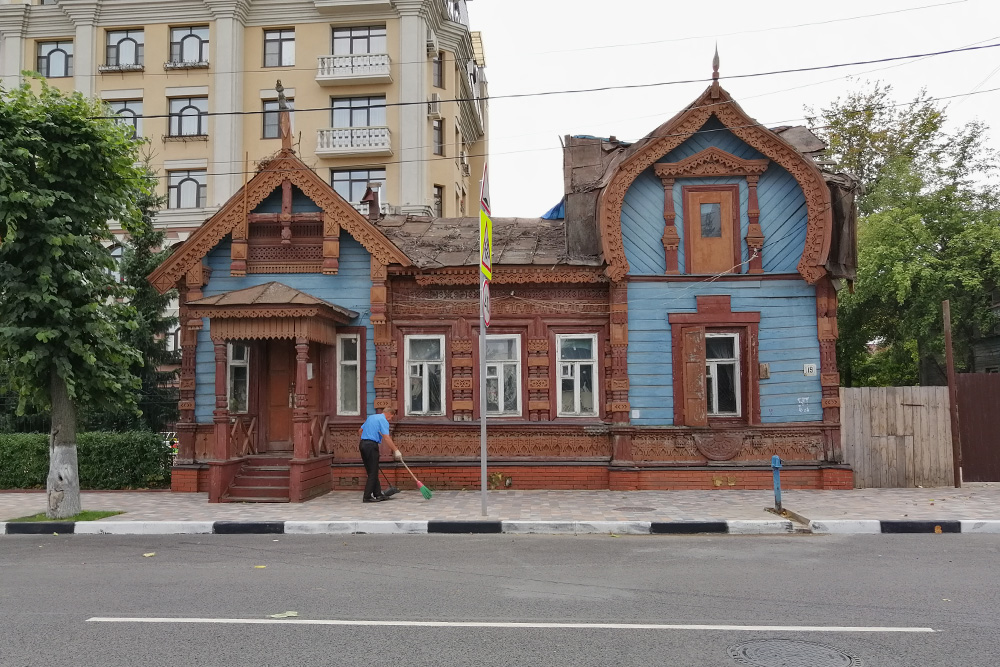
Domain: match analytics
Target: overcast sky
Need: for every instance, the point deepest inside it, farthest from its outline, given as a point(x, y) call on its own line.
point(535, 46)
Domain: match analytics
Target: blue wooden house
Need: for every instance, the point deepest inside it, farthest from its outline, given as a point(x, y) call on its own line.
point(675, 328)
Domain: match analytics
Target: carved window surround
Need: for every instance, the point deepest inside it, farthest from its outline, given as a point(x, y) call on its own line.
point(712, 161)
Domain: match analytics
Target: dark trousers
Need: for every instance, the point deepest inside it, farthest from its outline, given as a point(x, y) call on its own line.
point(369, 455)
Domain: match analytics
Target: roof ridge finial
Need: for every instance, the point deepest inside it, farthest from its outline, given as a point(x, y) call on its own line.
point(715, 73)
point(284, 119)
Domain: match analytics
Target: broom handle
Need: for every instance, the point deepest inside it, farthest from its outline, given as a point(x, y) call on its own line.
point(408, 469)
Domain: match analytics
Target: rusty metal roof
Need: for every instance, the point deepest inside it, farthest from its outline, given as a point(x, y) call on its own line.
point(451, 242)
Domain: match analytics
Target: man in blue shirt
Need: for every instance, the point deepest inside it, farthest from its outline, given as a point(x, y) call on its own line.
point(372, 432)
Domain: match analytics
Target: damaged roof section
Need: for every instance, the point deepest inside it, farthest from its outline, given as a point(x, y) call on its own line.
point(449, 242)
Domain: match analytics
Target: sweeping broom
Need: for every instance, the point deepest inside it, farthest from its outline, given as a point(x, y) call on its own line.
point(424, 491)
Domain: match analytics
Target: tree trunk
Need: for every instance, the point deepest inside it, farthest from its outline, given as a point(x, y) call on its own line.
point(64, 477)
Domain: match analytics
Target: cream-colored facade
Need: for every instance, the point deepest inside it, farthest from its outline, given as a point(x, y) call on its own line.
point(429, 137)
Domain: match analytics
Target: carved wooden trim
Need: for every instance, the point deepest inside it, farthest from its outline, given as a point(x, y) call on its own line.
point(712, 161)
point(678, 130)
point(510, 276)
point(755, 235)
point(289, 328)
point(285, 167)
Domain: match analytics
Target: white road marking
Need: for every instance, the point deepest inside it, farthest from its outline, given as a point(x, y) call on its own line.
point(486, 624)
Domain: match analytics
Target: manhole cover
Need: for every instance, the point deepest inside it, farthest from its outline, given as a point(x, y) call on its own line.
point(634, 509)
point(790, 653)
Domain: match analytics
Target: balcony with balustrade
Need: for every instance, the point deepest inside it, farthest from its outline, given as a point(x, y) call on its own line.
point(347, 141)
point(353, 69)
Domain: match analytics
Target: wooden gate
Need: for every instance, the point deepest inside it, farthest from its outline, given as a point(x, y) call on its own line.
point(897, 437)
point(979, 426)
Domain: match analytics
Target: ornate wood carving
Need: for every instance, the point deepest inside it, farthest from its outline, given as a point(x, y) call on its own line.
point(826, 319)
point(678, 130)
point(755, 235)
point(618, 303)
point(284, 167)
point(255, 327)
point(331, 245)
point(757, 445)
point(712, 161)
point(220, 416)
point(189, 347)
point(469, 275)
point(671, 240)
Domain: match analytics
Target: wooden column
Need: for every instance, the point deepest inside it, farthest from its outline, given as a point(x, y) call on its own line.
point(755, 236)
point(671, 240)
point(300, 413)
point(620, 408)
point(285, 218)
point(220, 443)
point(186, 426)
point(385, 363)
point(331, 245)
point(539, 406)
point(826, 324)
point(463, 380)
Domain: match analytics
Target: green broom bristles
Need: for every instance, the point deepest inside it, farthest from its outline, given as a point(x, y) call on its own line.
point(424, 491)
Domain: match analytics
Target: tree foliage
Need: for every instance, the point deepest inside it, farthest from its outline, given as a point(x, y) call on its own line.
point(929, 230)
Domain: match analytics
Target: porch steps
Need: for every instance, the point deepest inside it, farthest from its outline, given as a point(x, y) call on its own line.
point(262, 479)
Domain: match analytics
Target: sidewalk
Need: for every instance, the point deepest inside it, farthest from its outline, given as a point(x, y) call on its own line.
point(862, 510)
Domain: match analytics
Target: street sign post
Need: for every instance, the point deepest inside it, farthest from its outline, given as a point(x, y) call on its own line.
point(485, 276)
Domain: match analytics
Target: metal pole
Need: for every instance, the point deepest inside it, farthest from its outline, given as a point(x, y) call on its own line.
point(956, 445)
point(776, 469)
point(482, 391)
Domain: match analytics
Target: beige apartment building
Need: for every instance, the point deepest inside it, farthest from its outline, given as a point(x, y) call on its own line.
point(384, 91)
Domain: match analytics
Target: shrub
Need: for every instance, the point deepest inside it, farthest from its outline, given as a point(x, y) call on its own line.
point(129, 460)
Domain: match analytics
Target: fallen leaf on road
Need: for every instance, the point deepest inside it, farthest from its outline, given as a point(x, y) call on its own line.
point(614, 535)
point(285, 614)
point(149, 555)
point(259, 567)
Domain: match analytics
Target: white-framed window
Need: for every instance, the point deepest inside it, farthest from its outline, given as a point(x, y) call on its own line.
point(125, 48)
point(348, 374)
point(117, 253)
point(130, 112)
point(722, 374)
point(352, 183)
point(359, 40)
point(188, 116)
point(55, 59)
point(425, 375)
point(272, 118)
point(358, 111)
point(577, 364)
point(187, 188)
point(279, 47)
point(189, 45)
point(503, 375)
point(239, 377)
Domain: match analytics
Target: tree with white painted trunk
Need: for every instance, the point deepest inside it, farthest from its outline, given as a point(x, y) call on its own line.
point(64, 173)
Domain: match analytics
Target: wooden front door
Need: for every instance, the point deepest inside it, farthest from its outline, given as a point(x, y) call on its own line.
point(280, 382)
point(712, 229)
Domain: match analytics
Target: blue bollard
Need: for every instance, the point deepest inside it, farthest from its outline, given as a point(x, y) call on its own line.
point(776, 469)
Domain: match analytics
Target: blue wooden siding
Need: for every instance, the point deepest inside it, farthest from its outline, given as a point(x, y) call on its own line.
point(350, 288)
point(787, 342)
point(782, 208)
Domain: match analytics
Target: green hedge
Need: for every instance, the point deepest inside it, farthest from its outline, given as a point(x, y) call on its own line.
point(130, 460)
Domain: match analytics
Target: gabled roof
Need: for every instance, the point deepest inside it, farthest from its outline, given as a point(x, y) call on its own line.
point(715, 101)
point(270, 299)
point(286, 165)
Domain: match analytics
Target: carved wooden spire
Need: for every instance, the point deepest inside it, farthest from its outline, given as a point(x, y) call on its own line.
point(715, 73)
point(284, 120)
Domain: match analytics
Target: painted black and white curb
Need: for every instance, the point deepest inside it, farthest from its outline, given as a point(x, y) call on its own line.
point(487, 526)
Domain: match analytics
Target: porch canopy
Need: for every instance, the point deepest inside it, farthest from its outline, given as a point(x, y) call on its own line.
point(268, 311)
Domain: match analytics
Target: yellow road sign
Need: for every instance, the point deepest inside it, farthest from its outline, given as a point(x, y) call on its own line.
point(486, 245)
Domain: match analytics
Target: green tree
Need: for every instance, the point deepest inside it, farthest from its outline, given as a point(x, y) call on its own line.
point(64, 172)
point(929, 230)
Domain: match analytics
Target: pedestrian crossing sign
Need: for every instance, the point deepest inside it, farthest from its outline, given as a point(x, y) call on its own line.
point(485, 245)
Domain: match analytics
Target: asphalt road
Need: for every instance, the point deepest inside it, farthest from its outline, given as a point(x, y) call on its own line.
point(618, 586)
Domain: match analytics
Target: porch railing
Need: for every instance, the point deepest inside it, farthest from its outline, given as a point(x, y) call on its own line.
point(241, 436)
point(319, 438)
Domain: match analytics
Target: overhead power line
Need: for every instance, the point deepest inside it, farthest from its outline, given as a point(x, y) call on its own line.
point(616, 87)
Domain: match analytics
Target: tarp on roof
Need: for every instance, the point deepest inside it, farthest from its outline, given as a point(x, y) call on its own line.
point(557, 212)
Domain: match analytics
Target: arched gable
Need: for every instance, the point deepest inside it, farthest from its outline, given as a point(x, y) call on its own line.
point(716, 102)
point(233, 217)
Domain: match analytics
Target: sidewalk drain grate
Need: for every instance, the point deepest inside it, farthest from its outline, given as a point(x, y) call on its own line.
point(790, 653)
point(634, 509)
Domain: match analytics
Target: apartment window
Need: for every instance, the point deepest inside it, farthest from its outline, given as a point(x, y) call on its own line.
point(425, 370)
point(55, 59)
point(359, 40)
point(189, 45)
point(348, 374)
point(577, 364)
point(437, 130)
point(130, 112)
point(437, 70)
point(279, 48)
point(188, 116)
point(187, 188)
point(722, 374)
point(439, 201)
point(272, 128)
point(117, 252)
point(352, 183)
point(125, 48)
point(358, 112)
point(503, 375)
point(239, 377)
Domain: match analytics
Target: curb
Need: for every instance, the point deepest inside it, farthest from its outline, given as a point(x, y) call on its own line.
point(441, 527)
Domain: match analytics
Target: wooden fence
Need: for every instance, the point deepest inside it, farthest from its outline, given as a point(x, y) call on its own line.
point(897, 437)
